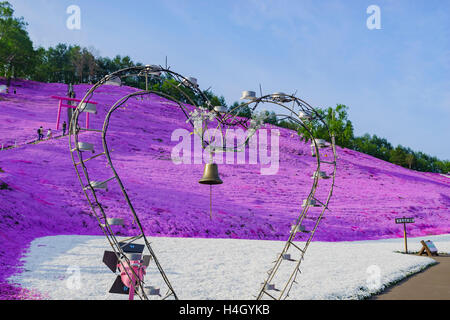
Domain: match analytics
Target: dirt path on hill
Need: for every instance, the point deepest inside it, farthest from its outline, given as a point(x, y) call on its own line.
point(430, 284)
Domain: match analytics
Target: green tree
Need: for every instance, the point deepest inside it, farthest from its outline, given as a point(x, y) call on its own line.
point(78, 62)
point(16, 48)
point(240, 109)
point(54, 64)
point(373, 145)
point(398, 156)
point(288, 124)
point(213, 99)
point(336, 119)
point(179, 92)
point(409, 159)
point(270, 118)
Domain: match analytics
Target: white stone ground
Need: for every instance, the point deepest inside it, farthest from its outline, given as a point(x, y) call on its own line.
point(223, 268)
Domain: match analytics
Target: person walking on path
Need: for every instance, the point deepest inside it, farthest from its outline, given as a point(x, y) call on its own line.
point(49, 133)
point(64, 127)
point(40, 133)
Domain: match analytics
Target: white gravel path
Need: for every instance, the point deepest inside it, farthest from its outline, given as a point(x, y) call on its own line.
point(223, 268)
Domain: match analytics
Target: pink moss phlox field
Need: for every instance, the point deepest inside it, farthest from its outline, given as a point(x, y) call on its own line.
point(41, 194)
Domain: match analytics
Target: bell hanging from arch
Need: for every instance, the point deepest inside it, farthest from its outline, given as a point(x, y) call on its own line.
point(210, 175)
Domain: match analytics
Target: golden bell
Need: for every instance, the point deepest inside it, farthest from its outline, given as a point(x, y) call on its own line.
point(211, 175)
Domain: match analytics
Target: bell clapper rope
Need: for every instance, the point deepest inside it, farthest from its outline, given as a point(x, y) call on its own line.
point(210, 201)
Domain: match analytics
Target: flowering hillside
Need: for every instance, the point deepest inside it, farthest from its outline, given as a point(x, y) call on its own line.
point(40, 194)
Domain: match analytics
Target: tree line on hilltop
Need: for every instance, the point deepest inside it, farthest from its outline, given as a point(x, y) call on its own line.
point(74, 64)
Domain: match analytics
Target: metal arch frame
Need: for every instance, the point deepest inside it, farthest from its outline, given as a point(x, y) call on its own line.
point(223, 120)
point(74, 131)
point(233, 120)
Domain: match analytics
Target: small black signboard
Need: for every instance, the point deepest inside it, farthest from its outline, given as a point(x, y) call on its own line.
point(404, 220)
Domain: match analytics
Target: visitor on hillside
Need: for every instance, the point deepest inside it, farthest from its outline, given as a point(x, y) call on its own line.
point(40, 133)
point(49, 133)
point(64, 127)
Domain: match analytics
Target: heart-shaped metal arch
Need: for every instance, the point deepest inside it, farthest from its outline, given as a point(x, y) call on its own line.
point(223, 121)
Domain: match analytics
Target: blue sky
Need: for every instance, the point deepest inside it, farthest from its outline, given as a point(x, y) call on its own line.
point(395, 80)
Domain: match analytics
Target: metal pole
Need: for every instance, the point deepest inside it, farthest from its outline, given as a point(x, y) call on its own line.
point(131, 293)
point(146, 81)
point(406, 241)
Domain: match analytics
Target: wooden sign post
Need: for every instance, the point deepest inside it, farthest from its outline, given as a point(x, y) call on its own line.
point(404, 221)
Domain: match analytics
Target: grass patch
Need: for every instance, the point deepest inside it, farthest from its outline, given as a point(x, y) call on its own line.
point(409, 252)
point(4, 186)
